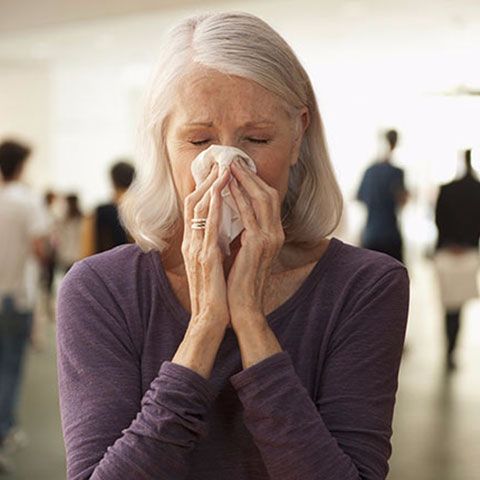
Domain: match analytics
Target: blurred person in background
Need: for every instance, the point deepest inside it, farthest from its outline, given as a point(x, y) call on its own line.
point(382, 190)
point(276, 358)
point(49, 264)
point(457, 216)
point(103, 229)
point(68, 234)
point(23, 227)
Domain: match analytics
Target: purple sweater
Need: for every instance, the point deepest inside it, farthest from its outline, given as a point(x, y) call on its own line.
point(322, 409)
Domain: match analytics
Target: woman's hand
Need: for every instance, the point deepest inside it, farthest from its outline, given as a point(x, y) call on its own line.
point(201, 252)
point(207, 286)
point(261, 241)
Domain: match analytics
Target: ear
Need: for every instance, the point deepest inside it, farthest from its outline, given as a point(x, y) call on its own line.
point(302, 122)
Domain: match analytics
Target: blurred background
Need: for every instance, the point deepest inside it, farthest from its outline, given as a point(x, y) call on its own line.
point(71, 80)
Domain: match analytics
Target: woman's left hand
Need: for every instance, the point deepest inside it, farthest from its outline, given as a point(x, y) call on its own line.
point(261, 241)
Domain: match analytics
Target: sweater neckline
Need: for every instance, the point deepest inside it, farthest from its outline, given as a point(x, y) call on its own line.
point(183, 316)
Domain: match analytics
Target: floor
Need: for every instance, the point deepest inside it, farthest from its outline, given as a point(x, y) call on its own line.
point(437, 418)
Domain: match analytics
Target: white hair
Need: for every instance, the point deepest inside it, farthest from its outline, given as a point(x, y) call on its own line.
point(243, 45)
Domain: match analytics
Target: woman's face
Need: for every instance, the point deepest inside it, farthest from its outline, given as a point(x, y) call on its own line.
point(213, 108)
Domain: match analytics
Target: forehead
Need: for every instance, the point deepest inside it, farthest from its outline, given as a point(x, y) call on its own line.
point(208, 95)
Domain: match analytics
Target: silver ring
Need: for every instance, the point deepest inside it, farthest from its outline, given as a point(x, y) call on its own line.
point(199, 223)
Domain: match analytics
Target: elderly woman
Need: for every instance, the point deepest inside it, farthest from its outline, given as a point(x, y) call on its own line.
point(275, 358)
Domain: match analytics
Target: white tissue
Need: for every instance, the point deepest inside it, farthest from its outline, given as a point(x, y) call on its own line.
point(231, 224)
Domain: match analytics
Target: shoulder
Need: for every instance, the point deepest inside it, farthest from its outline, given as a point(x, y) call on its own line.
point(472, 184)
point(122, 275)
point(21, 195)
point(124, 260)
point(101, 301)
point(105, 206)
point(393, 171)
point(26, 206)
point(369, 175)
point(399, 173)
point(453, 188)
point(357, 272)
point(106, 209)
point(112, 288)
point(374, 167)
point(352, 260)
point(448, 186)
point(370, 292)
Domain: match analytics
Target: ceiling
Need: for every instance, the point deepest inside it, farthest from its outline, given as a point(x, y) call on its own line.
point(16, 15)
point(31, 14)
point(435, 38)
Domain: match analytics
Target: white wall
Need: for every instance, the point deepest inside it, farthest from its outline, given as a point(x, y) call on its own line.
point(92, 125)
point(25, 113)
point(373, 64)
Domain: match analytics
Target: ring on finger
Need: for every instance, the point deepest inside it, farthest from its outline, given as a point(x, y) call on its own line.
point(199, 223)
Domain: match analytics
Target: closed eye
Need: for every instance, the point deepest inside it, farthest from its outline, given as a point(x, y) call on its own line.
point(253, 140)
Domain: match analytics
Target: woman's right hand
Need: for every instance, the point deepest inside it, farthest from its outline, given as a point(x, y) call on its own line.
point(203, 260)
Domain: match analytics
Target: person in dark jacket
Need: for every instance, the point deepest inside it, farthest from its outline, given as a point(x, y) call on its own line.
point(458, 222)
point(103, 230)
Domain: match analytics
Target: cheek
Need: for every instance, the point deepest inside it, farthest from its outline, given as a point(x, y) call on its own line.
point(180, 163)
point(274, 169)
point(183, 179)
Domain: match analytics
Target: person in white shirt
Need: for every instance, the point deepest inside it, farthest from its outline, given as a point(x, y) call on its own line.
point(68, 234)
point(23, 226)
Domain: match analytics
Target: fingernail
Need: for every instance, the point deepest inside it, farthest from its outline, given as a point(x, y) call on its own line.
point(241, 164)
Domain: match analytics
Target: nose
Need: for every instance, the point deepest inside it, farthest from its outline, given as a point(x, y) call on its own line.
point(228, 141)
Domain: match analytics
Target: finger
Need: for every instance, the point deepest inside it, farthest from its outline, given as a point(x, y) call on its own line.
point(201, 211)
point(213, 220)
point(244, 207)
point(193, 198)
point(212, 174)
point(241, 171)
point(265, 200)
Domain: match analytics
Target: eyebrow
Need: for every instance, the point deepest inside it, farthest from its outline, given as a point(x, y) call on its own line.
point(199, 124)
point(259, 123)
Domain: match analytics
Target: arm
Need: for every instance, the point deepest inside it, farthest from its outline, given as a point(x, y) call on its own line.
point(88, 235)
point(38, 230)
point(110, 430)
point(401, 193)
point(402, 198)
point(362, 190)
point(38, 248)
point(344, 434)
